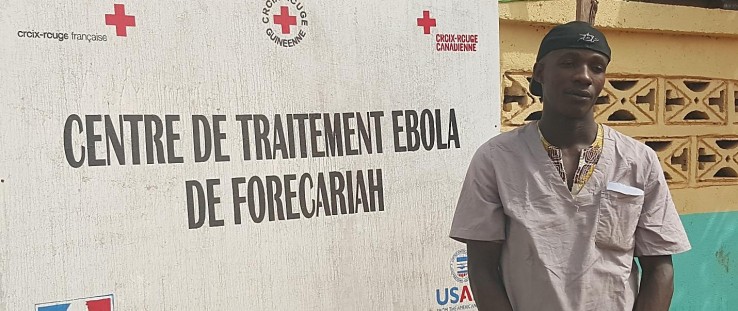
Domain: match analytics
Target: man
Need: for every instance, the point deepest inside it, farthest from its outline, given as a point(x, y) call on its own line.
point(553, 213)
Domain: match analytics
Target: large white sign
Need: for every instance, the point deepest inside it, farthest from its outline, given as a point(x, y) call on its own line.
point(239, 155)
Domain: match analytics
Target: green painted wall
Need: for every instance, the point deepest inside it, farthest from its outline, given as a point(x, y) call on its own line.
point(706, 277)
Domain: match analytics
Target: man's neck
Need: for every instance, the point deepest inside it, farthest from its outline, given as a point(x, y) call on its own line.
point(567, 132)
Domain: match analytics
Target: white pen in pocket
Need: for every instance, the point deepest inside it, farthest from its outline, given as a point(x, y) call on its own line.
point(624, 189)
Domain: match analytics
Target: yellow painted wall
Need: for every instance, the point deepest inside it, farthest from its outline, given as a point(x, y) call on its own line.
point(673, 78)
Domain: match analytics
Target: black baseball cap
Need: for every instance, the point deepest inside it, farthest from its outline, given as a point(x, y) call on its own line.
point(572, 35)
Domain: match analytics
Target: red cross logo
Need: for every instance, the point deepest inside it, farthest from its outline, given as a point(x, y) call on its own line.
point(285, 20)
point(120, 20)
point(426, 22)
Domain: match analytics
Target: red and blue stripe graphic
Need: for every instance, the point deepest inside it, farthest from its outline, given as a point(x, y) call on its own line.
point(98, 303)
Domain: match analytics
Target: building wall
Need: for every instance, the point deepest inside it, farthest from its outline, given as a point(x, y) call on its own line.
point(673, 84)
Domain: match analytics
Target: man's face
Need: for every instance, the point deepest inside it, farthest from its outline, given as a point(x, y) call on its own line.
point(572, 80)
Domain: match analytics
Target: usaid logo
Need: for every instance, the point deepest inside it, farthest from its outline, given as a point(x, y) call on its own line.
point(457, 297)
point(459, 265)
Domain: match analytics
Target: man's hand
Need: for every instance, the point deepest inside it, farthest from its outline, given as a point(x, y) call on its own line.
point(484, 276)
point(657, 284)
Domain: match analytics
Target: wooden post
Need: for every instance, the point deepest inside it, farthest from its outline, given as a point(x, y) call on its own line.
point(586, 10)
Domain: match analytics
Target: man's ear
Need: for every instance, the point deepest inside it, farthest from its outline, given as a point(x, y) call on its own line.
point(538, 72)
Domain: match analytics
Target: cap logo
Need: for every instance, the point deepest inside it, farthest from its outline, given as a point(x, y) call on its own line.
point(587, 37)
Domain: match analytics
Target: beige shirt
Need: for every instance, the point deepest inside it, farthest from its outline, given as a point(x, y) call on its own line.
point(565, 251)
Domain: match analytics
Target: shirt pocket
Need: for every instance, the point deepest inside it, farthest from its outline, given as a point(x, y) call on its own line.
point(618, 215)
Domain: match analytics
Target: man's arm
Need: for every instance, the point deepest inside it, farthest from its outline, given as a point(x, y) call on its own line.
point(657, 283)
point(484, 276)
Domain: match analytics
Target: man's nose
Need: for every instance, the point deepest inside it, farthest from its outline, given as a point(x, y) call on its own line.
point(583, 75)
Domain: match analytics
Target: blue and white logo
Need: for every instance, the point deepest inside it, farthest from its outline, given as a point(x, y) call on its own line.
point(459, 266)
